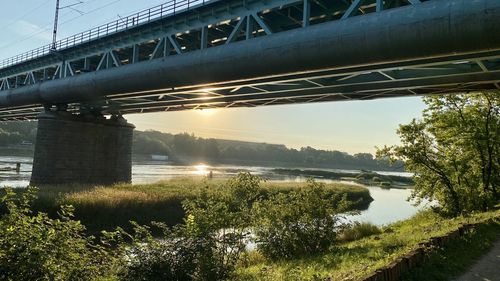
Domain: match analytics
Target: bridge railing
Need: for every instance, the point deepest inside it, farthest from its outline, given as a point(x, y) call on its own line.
point(169, 8)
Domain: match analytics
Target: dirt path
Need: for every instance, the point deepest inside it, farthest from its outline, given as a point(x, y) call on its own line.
point(487, 268)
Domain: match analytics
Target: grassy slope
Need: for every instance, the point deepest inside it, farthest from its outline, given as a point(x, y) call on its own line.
point(457, 256)
point(353, 260)
point(104, 208)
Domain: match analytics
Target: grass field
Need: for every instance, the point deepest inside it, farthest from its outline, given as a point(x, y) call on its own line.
point(353, 260)
point(106, 207)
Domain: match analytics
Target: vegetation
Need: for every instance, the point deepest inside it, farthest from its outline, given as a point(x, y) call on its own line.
point(458, 255)
point(362, 177)
point(298, 224)
point(162, 202)
point(36, 247)
point(454, 151)
point(356, 259)
point(12, 133)
point(207, 246)
point(359, 230)
point(210, 243)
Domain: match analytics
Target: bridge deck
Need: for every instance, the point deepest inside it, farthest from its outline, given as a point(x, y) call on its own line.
point(234, 53)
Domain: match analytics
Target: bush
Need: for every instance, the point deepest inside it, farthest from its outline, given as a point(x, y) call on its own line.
point(171, 258)
point(36, 247)
point(298, 223)
point(207, 246)
point(359, 230)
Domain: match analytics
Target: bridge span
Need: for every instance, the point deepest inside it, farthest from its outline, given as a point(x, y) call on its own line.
point(199, 54)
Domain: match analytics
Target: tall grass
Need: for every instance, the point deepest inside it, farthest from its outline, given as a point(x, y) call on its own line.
point(359, 230)
point(106, 207)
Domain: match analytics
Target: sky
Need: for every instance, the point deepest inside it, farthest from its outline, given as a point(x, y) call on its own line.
point(351, 126)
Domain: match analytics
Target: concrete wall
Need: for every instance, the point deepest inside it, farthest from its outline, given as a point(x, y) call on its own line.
point(82, 150)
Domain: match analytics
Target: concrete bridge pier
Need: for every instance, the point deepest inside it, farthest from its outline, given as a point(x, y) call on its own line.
point(82, 149)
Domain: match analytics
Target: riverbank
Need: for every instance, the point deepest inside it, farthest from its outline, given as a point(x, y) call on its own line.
point(116, 205)
point(358, 259)
point(363, 177)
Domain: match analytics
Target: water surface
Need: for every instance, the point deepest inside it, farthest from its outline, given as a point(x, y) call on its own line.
point(389, 205)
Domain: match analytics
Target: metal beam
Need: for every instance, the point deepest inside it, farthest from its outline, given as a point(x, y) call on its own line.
point(175, 44)
point(306, 13)
point(346, 89)
point(249, 27)
point(352, 8)
point(379, 5)
point(262, 24)
point(204, 37)
point(236, 30)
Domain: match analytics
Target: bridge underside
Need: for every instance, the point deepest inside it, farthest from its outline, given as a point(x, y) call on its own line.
point(461, 73)
point(256, 53)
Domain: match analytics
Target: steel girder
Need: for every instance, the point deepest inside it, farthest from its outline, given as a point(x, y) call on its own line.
point(321, 71)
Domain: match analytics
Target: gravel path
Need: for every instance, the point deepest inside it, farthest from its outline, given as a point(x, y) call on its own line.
point(487, 268)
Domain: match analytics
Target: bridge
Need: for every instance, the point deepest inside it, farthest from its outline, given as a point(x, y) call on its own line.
point(200, 54)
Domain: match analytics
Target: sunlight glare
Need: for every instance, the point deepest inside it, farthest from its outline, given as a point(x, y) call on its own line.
point(200, 169)
point(207, 112)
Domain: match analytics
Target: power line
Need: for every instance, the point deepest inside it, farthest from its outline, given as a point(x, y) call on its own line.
point(91, 11)
point(47, 27)
point(26, 14)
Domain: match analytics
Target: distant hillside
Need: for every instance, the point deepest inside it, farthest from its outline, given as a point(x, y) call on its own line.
point(187, 148)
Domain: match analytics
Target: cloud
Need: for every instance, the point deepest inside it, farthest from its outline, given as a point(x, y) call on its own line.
point(28, 29)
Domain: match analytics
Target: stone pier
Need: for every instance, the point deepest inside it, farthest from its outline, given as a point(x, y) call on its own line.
point(77, 149)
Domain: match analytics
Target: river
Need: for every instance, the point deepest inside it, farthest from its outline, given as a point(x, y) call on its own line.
point(389, 205)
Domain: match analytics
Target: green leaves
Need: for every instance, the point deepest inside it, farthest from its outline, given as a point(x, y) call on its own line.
point(298, 223)
point(454, 151)
point(36, 247)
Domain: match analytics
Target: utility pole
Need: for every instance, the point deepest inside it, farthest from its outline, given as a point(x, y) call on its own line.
point(54, 34)
point(56, 19)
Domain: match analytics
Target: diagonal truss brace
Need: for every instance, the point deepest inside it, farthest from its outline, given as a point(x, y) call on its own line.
point(30, 79)
point(4, 85)
point(249, 20)
point(108, 60)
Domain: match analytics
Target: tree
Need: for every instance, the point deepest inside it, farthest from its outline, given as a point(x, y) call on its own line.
point(454, 151)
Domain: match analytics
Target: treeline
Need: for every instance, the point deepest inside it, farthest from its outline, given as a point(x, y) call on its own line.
point(188, 148)
point(14, 133)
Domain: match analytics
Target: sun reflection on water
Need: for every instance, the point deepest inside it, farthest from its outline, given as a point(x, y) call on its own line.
point(201, 169)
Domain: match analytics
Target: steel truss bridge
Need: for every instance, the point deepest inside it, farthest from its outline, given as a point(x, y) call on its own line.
point(188, 54)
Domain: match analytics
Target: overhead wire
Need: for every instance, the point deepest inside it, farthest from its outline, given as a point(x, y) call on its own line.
point(48, 26)
point(25, 15)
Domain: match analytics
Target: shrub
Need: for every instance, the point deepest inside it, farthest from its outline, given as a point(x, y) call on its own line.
point(36, 247)
point(298, 223)
point(207, 246)
point(359, 230)
point(171, 258)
